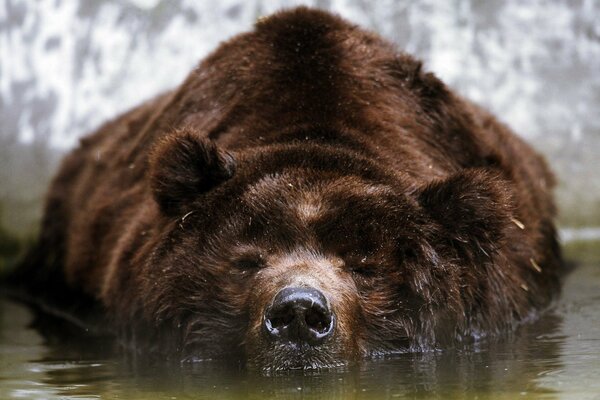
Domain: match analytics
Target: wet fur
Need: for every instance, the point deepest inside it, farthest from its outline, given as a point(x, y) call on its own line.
point(177, 218)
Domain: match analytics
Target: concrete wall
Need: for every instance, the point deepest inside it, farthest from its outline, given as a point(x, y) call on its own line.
point(67, 65)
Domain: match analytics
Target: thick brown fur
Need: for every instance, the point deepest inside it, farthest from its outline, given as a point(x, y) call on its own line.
point(306, 152)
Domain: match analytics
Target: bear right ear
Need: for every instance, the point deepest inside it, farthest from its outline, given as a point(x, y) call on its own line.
point(184, 165)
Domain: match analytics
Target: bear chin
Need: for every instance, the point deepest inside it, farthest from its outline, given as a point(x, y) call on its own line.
point(295, 356)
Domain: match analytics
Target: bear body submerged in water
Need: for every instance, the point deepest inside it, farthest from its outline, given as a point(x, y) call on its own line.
point(306, 198)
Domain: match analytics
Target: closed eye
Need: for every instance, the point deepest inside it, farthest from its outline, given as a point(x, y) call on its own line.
point(248, 262)
point(364, 272)
point(363, 267)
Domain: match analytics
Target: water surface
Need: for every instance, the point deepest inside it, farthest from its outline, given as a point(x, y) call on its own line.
point(557, 357)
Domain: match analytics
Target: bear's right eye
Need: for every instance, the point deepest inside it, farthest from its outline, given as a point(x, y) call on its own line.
point(249, 262)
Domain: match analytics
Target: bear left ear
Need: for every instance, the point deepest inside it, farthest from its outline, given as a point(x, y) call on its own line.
point(473, 205)
point(184, 165)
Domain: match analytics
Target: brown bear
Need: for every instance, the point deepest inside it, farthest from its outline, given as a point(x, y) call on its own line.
point(306, 198)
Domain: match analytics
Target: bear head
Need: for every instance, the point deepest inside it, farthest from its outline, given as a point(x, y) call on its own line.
point(311, 255)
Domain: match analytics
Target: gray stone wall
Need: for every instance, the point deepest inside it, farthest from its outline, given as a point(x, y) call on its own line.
point(67, 65)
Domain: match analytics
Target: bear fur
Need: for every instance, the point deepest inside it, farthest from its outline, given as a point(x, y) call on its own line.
point(306, 152)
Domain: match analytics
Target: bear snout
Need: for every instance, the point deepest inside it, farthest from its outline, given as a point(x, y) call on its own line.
point(299, 315)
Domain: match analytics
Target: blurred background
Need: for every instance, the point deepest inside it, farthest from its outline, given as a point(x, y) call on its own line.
point(68, 65)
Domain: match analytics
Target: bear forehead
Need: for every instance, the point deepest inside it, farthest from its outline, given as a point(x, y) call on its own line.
point(332, 213)
point(309, 198)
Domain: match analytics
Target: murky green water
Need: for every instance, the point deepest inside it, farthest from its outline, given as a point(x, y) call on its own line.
point(558, 357)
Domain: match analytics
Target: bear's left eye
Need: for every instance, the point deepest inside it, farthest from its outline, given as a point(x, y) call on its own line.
point(249, 262)
point(366, 272)
point(363, 267)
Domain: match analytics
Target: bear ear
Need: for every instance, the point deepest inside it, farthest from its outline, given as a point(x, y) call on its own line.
point(184, 165)
point(472, 206)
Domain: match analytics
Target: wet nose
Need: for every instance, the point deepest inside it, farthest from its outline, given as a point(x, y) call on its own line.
point(300, 315)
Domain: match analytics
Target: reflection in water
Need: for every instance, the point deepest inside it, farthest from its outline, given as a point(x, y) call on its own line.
point(558, 356)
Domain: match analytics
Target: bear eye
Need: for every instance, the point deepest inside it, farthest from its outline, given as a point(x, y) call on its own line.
point(363, 268)
point(366, 272)
point(249, 262)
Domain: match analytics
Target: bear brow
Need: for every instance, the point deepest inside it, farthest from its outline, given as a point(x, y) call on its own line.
point(275, 222)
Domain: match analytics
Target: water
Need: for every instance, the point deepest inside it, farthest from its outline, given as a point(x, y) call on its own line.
point(558, 357)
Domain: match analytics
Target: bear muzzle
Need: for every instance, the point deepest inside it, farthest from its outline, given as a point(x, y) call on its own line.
point(299, 316)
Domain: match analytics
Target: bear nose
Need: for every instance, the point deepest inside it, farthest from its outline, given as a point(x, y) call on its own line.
point(300, 315)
